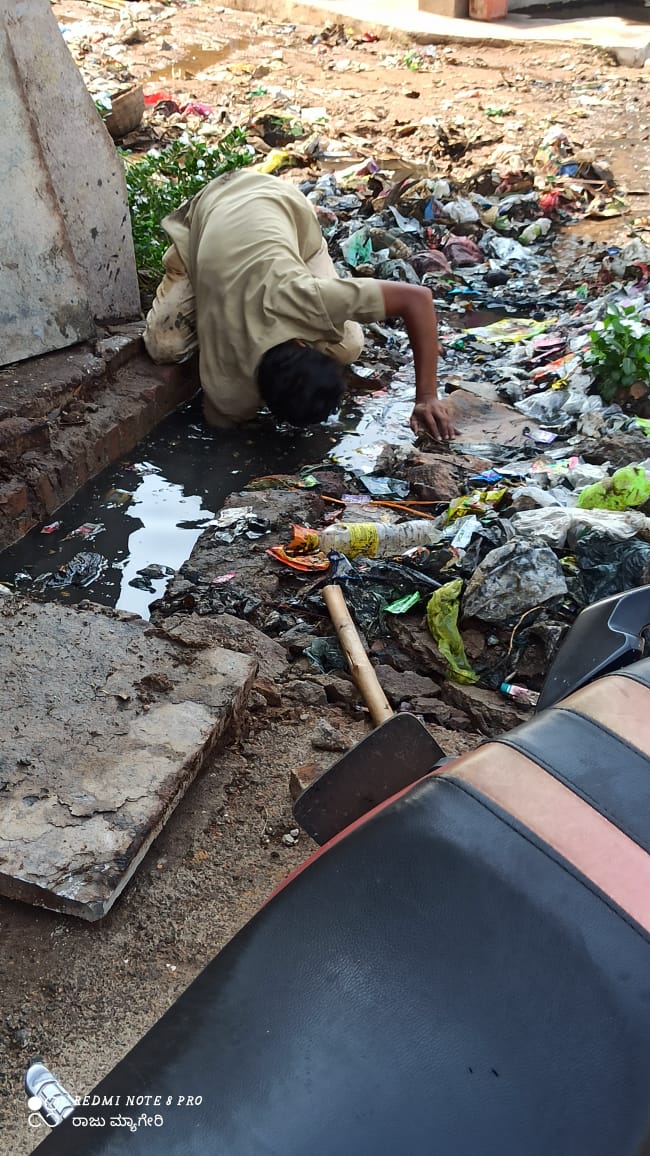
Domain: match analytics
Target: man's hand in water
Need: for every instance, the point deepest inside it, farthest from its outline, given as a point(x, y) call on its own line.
point(414, 304)
point(430, 416)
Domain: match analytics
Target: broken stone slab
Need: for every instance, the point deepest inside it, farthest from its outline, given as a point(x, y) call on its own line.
point(105, 728)
point(488, 712)
point(441, 476)
point(444, 715)
point(615, 450)
point(231, 633)
point(405, 686)
point(306, 691)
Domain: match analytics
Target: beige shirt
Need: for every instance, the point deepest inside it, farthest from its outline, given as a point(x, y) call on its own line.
point(245, 240)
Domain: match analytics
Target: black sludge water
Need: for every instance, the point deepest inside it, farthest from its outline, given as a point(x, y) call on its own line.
point(153, 506)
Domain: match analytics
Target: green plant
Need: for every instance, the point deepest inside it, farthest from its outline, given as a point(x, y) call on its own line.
point(160, 181)
point(619, 351)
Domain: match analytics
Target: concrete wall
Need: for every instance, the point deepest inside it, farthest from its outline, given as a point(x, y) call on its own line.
point(66, 253)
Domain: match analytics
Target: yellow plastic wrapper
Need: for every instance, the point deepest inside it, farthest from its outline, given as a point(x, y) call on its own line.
point(627, 487)
point(273, 161)
point(442, 620)
point(478, 502)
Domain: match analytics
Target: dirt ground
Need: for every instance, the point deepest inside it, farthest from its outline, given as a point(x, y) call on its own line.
point(80, 995)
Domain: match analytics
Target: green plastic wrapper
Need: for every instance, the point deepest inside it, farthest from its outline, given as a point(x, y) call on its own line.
point(442, 620)
point(403, 604)
point(627, 487)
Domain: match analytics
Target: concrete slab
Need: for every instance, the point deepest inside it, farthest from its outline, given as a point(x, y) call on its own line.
point(105, 727)
point(627, 40)
point(67, 248)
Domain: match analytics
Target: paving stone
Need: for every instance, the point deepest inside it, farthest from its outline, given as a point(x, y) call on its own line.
point(489, 713)
point(404, 686)
point(230, 632)
point(105, 727)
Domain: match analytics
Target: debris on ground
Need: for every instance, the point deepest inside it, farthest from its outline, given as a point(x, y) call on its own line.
point(509, 181)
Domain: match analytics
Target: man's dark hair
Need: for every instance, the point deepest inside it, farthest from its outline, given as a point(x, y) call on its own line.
point(299, 384)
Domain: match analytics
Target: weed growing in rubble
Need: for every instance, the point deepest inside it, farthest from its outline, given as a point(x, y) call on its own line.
point(619, 351)
point(161, 180)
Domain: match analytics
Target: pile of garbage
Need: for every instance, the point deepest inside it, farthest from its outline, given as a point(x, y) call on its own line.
point(535, 511)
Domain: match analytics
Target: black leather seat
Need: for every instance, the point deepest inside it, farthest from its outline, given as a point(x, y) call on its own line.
point(437, 982)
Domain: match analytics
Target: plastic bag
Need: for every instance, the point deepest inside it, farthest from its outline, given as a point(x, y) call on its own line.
point(556, 527)
point(442, 620)
point(629, 486)
point(461, 211)
point(609, 566)
point(357, 248)
point(533, 497)
point(544, 407)
point(511, 580)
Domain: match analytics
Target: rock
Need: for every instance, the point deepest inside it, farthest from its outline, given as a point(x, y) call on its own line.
point(618, 449)
point(441, 476)
point(490, 714)
point(303, 777)
point(309, 693)
point(511, 580)
point(328, 738)
point(405, 686)
point(415, 641)
point(256, 701)
point(268, 691)
point(233, 634)
point(297, 639)
point(474, 643)
point(433, 710)
point(338, 689)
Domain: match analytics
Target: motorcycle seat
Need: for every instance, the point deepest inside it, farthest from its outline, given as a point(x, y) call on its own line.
point(464, 971)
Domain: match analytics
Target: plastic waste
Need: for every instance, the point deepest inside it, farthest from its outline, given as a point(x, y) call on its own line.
point(510, 329)
point(478, 502)
point(539, 228)
point(373, 586)
point(532, 497)
point(81, 570)
point(401, 605)
point(507, 251)
point(521, 694)
point(576, 472)
point(442, 621)
point(556, 527)
point(381, 487)
point(377, 539)
point(545, 407)
point(608, 566)
point(629, 486)
point(326, 655)
point(511, 579)
point(357, 248)
point(553, 152)
point(462, 211)
point(463, 251)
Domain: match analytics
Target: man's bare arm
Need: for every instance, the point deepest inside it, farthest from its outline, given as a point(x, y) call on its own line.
point(414, 304)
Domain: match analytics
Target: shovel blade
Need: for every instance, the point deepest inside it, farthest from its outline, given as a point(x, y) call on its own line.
point(396, 754)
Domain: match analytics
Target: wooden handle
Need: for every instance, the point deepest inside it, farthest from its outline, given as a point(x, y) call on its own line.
point(362, 672)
